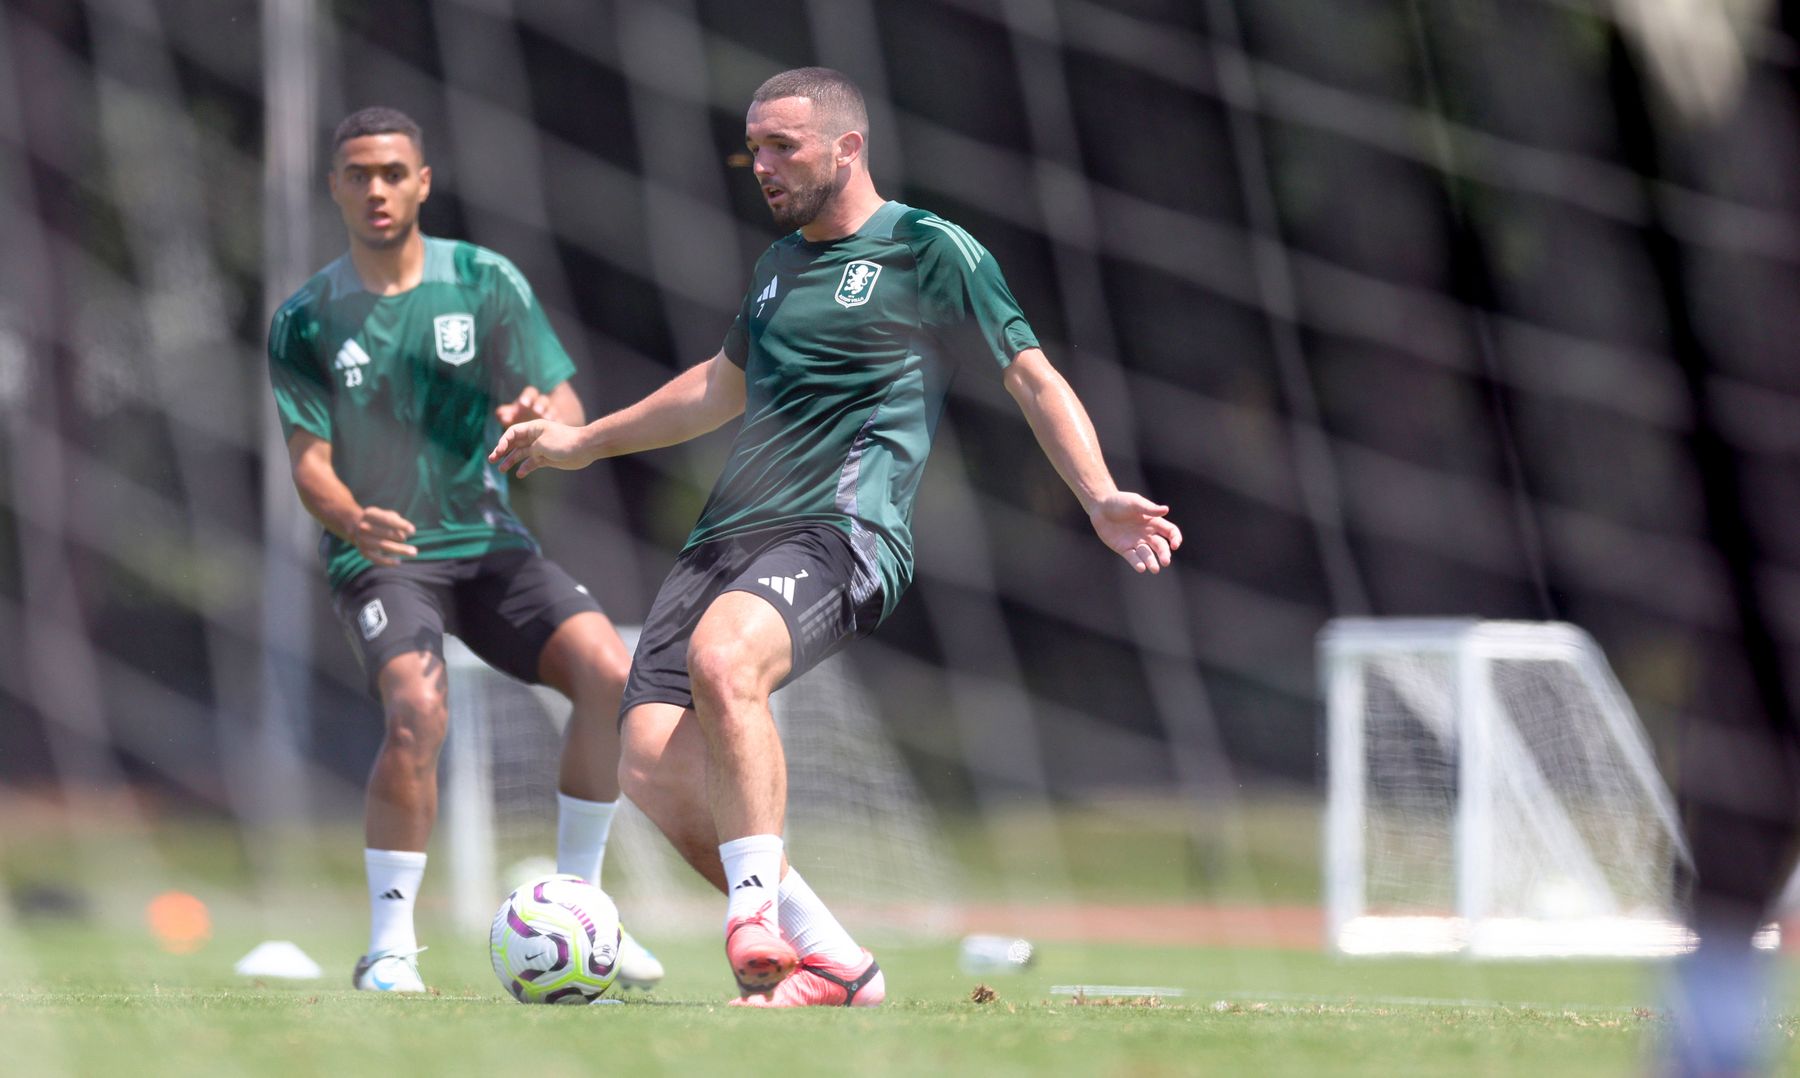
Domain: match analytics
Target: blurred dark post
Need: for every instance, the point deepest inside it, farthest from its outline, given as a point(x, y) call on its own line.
point(1471, 284)
point(1155, 617)
point(60, 668)
point(1315, 469)
point(1738, 774)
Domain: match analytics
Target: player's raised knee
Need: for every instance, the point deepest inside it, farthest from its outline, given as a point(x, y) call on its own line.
point(417, 717)
point(724, 669)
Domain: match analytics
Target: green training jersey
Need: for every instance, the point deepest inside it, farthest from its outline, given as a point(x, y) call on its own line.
point(404, 388)
point(848, 349)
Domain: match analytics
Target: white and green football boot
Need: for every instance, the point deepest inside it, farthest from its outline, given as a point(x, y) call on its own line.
point(388, 971)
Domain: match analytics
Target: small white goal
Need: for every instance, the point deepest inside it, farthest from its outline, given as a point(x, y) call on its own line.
point(1491, 792)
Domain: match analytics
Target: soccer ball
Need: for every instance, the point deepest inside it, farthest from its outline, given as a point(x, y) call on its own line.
point(556, 940)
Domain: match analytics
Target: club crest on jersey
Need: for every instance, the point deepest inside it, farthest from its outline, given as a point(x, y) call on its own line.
point(857, 284)
point(455, 338)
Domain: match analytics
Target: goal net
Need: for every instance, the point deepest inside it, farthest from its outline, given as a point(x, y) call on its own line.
point(856, 823)
point(1491, 792)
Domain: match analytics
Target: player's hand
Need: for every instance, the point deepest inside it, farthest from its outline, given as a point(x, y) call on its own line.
point(530, 405)
point(541, 443)
point(381, 536)
point(1136, 529)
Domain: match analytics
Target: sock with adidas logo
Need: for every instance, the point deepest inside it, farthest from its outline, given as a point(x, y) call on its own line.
point(811, 928)
point(394, 877)
point(752, 873)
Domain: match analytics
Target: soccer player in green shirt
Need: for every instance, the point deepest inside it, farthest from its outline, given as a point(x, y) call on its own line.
point(394, 368)
point(839, 362)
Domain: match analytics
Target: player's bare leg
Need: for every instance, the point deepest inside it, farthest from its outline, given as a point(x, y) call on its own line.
point(398, 815)
point(662, 768)
point(585, 660)
point(737, 655)
point(402, 802)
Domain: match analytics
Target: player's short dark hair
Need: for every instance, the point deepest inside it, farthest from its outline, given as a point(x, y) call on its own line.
point(838, 100)
point(377, 120)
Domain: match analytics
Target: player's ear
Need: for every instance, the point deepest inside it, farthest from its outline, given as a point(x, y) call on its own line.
point(424, 182)
point(849, 147)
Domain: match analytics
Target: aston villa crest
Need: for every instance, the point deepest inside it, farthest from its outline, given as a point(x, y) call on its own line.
point(858, 282)
point(455, 338)
point(372, 619)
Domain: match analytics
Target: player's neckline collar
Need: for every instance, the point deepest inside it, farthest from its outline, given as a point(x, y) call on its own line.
point(875, 224)
point(440, 260)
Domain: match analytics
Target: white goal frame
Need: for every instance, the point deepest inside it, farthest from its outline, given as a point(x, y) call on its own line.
point(856, 821)
point(1479, 726)
point(466, 803)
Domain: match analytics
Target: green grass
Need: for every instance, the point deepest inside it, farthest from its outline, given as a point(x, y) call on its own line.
point(96, 996)
point(1114, 851)
point(75, 1000)
point(1152, 851)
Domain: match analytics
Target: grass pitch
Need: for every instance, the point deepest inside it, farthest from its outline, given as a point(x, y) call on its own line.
point(78, 1001)
point(86, 990)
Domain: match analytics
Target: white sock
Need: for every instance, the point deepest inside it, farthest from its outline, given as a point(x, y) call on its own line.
point(581, 830)
point(394, 877)
point(752, 872)
point(811, 928)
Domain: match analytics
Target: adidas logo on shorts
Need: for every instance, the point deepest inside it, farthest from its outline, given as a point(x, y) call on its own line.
point(782, 585)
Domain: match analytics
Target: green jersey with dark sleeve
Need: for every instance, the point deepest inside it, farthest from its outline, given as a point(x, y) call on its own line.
point(404, 388)
point(848, 349)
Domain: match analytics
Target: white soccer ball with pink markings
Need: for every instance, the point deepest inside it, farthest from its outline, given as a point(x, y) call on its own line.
point(556, 940)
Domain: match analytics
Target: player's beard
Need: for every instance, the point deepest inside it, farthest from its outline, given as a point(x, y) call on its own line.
point(803, 204)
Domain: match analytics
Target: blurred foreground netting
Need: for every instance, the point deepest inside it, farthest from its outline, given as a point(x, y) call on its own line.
point(1407, 309)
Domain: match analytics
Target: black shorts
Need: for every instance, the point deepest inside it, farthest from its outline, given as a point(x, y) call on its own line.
point(811, 576)
point(503, 605)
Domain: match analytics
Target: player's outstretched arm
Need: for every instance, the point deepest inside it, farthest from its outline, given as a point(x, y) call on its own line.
point(379, 534)
point(1131, 525)
point(692, 403)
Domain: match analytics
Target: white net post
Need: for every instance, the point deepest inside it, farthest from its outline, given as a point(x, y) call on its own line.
point(499, 803)
point(1474, 731)
point(857, 824)
point(468, 801)
point(1491, 791)
point(1345, 886)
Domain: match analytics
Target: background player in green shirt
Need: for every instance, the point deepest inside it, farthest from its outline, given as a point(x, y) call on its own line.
point(393, 369)
point(839, 362)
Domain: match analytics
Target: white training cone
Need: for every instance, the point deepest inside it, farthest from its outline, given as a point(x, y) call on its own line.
point(278, 958)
